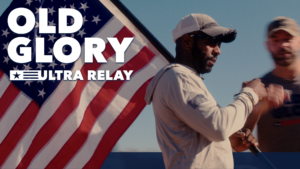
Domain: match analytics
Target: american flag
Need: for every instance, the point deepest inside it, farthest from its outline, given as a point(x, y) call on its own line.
point(71, 124)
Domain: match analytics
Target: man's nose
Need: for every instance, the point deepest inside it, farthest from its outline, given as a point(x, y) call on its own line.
point(285, 44)
point(216, 50)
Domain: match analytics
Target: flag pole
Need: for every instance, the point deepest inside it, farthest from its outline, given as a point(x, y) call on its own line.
point(144, 30)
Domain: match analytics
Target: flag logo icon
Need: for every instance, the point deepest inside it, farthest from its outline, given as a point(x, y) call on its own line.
point(24, 75)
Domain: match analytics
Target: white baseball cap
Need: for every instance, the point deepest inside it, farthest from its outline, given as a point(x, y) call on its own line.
point(205, 24)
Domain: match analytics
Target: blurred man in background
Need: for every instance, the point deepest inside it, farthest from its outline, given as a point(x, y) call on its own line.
point(278, 130)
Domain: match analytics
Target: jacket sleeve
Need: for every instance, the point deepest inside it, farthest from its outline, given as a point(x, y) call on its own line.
point(193, 106)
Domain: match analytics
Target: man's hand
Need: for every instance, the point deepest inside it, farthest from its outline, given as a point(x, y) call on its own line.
point(257, 86)
point(276, 96)
point(242, 140)
point(275, 99)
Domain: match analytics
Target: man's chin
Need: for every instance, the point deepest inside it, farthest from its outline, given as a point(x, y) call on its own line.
point(284, 63)
point(206, 70)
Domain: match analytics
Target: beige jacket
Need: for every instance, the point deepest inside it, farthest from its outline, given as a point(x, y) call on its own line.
point(192, 130)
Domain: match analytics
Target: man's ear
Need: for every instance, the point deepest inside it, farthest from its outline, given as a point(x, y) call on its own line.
point(298, 42)
point(187, 42)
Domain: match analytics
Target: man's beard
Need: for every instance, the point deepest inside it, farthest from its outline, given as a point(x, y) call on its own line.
point(285, 61)
point(200, 60)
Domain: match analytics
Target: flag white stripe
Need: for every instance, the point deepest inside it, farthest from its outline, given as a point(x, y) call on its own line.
point(4, 83)
point(110, 29)
point(74, 120)
point(12, 114)
point(108, 116)
point(54, 101)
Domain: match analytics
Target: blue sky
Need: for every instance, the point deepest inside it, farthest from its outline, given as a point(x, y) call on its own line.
point(244, 59)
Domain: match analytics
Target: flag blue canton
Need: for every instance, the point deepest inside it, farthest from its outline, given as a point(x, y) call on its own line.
point(95, 16)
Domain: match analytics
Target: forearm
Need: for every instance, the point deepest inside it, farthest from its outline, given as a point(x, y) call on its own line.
point(215, 123)
point(199, 110)
point(232, 118)
point(253, 118)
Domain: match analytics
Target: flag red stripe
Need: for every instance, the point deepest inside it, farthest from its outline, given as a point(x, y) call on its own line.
point(18, 130)
point(1, 73)
point(67, 106)
point(98, 104)
point(7, 98)
point(114, 132)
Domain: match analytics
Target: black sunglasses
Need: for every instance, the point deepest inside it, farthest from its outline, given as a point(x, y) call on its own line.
point(211, 40)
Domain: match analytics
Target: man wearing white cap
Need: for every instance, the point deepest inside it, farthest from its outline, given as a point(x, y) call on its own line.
point(192, 130)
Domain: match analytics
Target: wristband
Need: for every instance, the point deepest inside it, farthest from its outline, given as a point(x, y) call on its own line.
point(252, 100)
point(249, 96)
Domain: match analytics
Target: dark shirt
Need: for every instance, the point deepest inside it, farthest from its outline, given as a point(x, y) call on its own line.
point(279, 130)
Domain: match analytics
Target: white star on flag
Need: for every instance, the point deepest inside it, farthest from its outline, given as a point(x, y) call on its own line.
point(63, 65)
point(36, 24)
point(84, 19)
point(72, 21)
point(28, 82)
point(37, 10)
point(53, 64)
point(50, 50)
point(6, 59)
point(81, 33)
point(5, 33)
point(40, 82)
point(65, 50)
point(41, 93)
point(28, 2)
point(51, 10)
point(16, 68)
point(37, 36)
point(72, 6)
point(40, 66)
point(38, 0)
point(52, 23)
point(5, 46)
point(27, 67)
point(84, 6)
point(52, 38)
point(96, 19)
